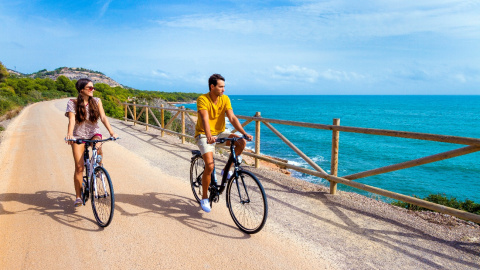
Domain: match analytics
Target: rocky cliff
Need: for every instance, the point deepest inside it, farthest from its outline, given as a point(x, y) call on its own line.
point(75, 74)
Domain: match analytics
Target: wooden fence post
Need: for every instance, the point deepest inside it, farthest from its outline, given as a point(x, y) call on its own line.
point(146, 118)
point(183, 123)
point(134, 114)
point(257, 139)
point(334, 165)
point(126, 106)
point(162, 120)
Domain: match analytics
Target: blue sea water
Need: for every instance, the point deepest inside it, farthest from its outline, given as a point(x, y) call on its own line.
point(458, 177)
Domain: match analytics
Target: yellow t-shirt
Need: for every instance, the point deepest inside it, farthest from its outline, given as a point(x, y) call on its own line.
point(216, 113)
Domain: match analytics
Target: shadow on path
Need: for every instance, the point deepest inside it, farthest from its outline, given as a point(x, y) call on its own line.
point(182, 209)
point(54, 204)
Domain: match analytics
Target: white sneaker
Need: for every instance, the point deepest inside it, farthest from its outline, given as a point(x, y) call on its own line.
point(205, 204)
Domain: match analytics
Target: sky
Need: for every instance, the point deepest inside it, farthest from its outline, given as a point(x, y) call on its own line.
point(394, 47)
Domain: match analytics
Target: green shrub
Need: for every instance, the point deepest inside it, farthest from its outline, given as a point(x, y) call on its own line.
point(467, 205)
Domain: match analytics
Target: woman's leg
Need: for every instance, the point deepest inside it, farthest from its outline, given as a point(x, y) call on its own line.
point(77, 150)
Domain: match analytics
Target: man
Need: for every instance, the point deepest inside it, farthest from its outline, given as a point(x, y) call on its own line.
point(212, 108)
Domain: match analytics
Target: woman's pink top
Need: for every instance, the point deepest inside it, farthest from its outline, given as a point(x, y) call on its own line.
point(87, 129)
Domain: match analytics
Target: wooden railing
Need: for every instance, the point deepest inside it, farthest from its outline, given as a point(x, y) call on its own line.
point(473, 145)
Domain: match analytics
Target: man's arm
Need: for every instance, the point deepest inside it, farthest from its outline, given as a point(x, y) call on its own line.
point(236, 124)
point(206, 125)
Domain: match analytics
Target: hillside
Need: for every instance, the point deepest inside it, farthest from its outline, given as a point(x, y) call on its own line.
point(72, 74)
point(18, 90)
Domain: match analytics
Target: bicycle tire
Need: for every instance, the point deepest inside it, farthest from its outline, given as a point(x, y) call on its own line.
point(247, 202)
point(197, 166)
point(84, 189)
point(102, 196)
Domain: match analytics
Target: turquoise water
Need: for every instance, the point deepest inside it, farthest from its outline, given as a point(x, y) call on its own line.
point(445, 115)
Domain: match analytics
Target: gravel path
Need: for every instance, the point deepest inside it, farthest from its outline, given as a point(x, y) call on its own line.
point(323, 231)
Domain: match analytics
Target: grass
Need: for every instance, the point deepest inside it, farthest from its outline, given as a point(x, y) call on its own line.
point(467, 205)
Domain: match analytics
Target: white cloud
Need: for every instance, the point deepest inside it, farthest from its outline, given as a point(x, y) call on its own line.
point(295, 73)
point(160, 73)
point(336, 75)
point(460, 77)
point(104, 8)
point(340, 19)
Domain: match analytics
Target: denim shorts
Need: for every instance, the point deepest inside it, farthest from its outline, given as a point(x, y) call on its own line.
point(201, 141)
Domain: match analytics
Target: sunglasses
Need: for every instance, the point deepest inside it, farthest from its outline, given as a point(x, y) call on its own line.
point(90, 88)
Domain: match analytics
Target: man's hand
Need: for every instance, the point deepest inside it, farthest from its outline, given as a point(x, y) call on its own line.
point(211, 139)
point(248, 136)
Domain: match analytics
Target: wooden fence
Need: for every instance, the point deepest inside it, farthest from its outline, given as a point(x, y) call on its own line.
point(472, 145)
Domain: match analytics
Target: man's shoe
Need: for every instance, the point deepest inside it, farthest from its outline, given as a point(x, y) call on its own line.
point(205, 204)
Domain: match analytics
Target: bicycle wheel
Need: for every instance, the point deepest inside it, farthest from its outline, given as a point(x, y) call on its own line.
point(103, 198)
point(247, 202)
point(84, 190)
point(196, 171)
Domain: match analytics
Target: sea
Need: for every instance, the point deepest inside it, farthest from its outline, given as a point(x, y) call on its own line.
point(458, 177)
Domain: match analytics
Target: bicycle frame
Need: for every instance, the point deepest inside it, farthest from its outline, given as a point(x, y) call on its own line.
point(233, 160)
point(92, 164)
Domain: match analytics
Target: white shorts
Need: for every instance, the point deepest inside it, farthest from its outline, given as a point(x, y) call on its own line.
point(201, 141)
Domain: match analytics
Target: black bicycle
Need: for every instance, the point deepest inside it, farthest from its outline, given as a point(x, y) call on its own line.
point(245, 197)
point(97, 183)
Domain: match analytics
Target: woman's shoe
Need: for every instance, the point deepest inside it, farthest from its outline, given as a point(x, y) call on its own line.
point(78, 202)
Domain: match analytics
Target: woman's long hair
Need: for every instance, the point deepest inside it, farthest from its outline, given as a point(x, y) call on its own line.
point(80, 108)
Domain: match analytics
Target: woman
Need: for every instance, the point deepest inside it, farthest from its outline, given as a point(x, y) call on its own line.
point(83, 114)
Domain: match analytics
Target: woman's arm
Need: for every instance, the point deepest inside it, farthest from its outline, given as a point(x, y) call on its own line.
point(71, 126)
point(104, 119)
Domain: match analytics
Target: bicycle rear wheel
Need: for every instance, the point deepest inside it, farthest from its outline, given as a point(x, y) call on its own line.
point(197, 167)
point(103, 198)
point(247, 202)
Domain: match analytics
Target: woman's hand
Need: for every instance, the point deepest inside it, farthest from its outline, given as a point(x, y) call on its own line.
point(114, 135)
point(69, 137)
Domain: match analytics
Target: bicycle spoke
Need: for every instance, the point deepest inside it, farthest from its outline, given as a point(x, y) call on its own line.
point(247, 203)
point(196, 171)
point(102, 197)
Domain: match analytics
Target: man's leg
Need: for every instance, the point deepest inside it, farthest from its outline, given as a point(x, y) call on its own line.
point(239, 147)
point(207, 173)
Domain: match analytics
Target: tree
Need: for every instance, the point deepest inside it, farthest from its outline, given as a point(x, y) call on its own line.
point(3, 72)
point(65, 85)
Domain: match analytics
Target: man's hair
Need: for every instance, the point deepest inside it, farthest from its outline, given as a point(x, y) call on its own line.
point(213, 80)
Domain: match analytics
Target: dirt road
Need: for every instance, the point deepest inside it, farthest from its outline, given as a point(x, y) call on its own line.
point(158, 225)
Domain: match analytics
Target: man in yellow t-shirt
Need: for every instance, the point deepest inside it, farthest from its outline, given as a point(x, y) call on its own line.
point(212, 109)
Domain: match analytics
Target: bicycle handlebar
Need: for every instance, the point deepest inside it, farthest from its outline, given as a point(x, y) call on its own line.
point(80, 141)
point(222, 140)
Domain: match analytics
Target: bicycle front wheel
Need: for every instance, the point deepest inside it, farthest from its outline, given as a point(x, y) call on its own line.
point(247, 202)
point(103, 199)
point(196, 171)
